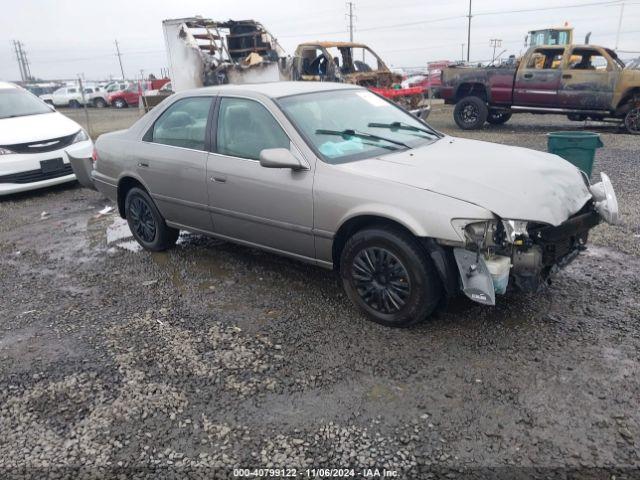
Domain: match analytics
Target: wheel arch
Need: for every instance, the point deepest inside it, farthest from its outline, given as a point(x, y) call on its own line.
point(626, 98)
point(472, 89)
point(360, 221)
point(125, 184)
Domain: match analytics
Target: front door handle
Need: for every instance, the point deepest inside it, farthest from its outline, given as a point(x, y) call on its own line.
point(528, 75)
point(218, 178)
point(141, 164)
point(567, 75)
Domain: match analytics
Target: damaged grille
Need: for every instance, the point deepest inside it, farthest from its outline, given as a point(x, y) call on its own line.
point(559, 242)
point(31, 176)
point(41, 146)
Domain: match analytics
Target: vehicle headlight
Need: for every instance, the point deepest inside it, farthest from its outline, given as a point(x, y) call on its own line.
point(5, 151)
point(514, 229)
point(475, 232)
point(81, 136)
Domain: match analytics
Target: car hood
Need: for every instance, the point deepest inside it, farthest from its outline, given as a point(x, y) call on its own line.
point(512, 182)
point(32, 128)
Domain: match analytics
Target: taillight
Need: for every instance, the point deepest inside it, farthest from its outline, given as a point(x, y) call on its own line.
point(94, 155)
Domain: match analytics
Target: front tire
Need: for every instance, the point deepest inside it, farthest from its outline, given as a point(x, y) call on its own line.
point(120, 103)
point(146, 222)
point(470, 113)
point(388, 275)
point(74, 104)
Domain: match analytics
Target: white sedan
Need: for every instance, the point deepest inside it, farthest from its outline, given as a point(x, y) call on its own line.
point(35, 141)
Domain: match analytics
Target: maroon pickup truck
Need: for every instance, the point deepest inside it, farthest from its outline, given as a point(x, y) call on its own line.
point(581, 81)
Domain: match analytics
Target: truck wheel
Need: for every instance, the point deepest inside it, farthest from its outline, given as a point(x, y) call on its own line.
point(497, 117)
point(632, 121)
point(470, 113)
point(120, 103)
point(74, 104)
point(99, 103)
point(388, 275)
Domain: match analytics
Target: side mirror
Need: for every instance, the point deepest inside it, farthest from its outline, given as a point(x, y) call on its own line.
point(279, 158)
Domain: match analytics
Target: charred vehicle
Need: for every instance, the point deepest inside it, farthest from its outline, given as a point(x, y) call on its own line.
point(581, 81)
point(353, 63)
point(204, 52)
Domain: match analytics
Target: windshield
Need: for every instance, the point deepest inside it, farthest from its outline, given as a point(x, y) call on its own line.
point(346, 125)
point(15, 102)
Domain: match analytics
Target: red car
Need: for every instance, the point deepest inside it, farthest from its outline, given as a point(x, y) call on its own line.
point(129, 96)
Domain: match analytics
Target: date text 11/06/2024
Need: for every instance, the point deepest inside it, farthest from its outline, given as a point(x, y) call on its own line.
point(314, 473)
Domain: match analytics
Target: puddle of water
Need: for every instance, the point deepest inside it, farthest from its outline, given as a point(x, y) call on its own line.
point(118, 230)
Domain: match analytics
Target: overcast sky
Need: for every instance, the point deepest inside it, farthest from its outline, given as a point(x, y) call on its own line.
point(64, 38)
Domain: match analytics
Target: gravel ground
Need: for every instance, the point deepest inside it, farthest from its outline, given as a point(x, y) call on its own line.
point(119, 363)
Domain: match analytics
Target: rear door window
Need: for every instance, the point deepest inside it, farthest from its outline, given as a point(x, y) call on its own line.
point(545, 59)
point(183, 124)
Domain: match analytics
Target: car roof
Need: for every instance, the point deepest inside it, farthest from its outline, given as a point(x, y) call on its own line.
point(8, 85)
point(274, 89)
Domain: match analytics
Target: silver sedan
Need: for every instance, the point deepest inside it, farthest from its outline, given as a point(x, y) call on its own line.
point(337, 176)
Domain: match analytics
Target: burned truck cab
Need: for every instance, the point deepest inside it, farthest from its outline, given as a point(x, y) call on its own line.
point(346, 62)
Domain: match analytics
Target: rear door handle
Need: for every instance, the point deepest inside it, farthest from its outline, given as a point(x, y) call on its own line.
point(141, 164)
point(218, 178)
point(528, 75)
point(567, 75)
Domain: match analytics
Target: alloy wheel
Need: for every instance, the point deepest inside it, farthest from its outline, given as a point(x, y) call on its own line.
point(381, 280)
point(632, 121)
point(470, 114)
point(142, 220)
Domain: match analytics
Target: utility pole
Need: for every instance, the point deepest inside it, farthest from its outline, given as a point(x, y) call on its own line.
point(495, 42)
point(350, 15)
point(619, 25)
point(19, 58)
point(119, 59)
point(469, 32)
point(23, 61)
point(462, 57)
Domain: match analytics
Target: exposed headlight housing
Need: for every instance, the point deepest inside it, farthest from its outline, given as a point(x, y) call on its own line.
point(81, 136)
point(605, 199)
point(515, 229)
point(475, 232)
point(5, 151)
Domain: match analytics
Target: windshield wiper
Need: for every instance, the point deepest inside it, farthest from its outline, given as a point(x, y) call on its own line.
point(402, 126)
point(354, 133)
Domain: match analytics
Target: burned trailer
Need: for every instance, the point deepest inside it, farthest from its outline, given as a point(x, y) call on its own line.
point(204, 52)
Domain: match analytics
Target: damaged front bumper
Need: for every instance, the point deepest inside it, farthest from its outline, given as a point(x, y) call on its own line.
point(525, 255)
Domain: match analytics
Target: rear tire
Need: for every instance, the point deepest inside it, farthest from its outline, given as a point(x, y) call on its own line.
point(470, 113)
point(497, 117)
point(632, 121)
point(389, 276)
point(146, 222)
point(99, 103)
point(74, 104)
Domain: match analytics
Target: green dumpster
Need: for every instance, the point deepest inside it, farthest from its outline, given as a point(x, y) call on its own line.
point(578, 148)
